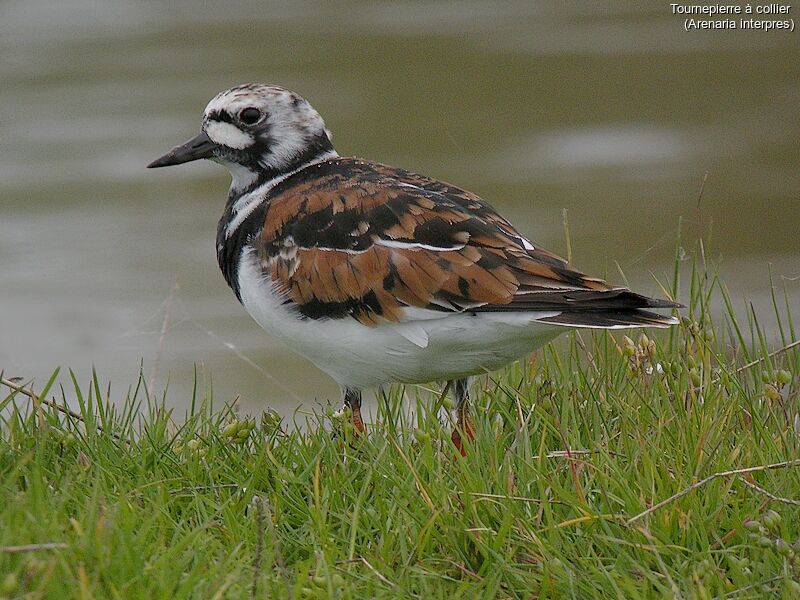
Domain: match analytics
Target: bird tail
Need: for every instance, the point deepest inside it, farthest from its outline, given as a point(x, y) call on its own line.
point(612, 319)
point(622, 311)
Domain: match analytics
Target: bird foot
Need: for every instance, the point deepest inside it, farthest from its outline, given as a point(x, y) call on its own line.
point(358, 423)
point(467, 428)
point(348, 414)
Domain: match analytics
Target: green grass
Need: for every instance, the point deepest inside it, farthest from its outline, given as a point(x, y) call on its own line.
point(570, 447)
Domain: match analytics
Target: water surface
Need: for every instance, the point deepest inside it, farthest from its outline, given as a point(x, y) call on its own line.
point(615, 114)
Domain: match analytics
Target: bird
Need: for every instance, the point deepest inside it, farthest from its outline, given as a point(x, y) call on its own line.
point(380, 275)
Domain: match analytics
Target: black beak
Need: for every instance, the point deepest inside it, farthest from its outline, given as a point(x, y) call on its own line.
point(196, 148)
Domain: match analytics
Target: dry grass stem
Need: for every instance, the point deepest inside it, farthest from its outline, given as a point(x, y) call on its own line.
point(769, 494)
point(786, 348)
point(702, 482)
point(259, 544)
point(173, 292)
point(37, 401)
point(34, 547)
point(367, 564)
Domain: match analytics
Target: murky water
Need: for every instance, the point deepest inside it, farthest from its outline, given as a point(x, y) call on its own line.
point(615, 114)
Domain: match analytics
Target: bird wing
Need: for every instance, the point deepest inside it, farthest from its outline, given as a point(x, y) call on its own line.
point(368, 241)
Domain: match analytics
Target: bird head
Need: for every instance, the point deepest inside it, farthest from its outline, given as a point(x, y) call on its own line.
point(254, 129)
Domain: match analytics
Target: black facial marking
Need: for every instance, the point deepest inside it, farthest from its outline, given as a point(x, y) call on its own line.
point(220, 115)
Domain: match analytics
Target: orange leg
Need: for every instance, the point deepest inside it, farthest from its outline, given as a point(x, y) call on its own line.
point(468, 428)
point(464, 425)
point(352, 400)
point(358, 422)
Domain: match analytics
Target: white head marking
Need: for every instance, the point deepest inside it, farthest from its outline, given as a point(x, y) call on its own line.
point(287, 126)
point(229, 135)
point(264, 134)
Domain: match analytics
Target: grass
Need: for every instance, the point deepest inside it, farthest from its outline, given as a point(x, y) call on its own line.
point(558, 496)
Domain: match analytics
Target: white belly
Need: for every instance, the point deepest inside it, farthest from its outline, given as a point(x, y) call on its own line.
point(415, 351)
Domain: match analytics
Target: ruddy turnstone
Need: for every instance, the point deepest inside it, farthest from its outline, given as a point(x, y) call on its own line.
point(377, 274)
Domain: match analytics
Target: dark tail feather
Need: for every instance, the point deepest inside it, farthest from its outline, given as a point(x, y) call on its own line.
point(602, 309)
point(619, 299)
point(618, 319)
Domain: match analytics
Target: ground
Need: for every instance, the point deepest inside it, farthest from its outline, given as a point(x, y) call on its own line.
point(606, 467)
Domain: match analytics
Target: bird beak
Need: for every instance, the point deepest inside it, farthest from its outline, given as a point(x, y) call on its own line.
point(196, 148)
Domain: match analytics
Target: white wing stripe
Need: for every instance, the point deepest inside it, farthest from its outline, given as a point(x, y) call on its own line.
point(416, 245)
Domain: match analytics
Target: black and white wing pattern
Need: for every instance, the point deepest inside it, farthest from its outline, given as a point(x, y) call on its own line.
point(349, 238)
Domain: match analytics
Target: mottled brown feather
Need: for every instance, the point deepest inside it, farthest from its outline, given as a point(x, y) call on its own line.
point(329, 243)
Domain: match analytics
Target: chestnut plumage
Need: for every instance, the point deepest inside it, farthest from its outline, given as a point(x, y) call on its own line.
point(352, 238)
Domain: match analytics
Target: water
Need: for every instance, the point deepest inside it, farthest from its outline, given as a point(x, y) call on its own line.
point(615, 114)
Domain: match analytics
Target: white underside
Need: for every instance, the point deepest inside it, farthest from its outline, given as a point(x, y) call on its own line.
point(428, 346)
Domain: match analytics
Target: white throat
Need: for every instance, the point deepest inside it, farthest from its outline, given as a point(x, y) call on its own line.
point(241, 176)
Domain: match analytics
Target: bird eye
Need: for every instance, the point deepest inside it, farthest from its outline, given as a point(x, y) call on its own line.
point(250, 116)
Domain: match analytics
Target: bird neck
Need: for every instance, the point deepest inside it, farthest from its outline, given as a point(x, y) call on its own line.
point(245, 208)
point(270, 167)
